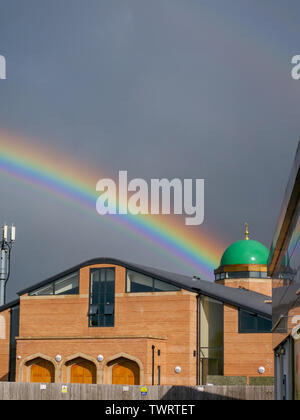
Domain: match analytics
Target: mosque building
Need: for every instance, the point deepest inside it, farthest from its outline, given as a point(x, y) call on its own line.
point(244, 265)
point(108, 321)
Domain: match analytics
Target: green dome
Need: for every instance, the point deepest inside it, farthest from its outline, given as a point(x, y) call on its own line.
point(245, 252)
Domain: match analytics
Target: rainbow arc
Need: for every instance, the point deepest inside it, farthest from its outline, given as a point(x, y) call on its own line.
point(28, 162)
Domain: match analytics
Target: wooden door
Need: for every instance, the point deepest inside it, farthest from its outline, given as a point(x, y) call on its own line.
point(83, 372)
point(125, 373)
point(42, 372)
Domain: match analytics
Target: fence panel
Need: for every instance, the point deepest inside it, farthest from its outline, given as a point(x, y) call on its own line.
point(30, 391)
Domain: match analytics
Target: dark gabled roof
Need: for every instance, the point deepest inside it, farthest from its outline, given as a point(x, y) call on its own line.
point(241, 298)
point(12, 304)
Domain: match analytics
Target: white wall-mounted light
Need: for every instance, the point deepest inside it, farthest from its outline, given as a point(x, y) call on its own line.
point(19, 357)
point(58, 358)
point(261, 370)
point(178, 369)
point(100, 358)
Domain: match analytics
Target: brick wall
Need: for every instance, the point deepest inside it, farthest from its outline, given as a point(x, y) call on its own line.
point(54, 325)
point(4, 344)
point(245, 353)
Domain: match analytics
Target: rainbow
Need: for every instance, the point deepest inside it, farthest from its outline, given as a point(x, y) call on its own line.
point(46, 168)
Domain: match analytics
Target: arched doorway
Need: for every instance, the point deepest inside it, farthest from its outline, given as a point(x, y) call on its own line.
point(82, 371)
point(41, 371)
point(125, 372)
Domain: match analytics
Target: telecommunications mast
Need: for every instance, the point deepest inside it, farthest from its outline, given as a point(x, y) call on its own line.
point(8, 238)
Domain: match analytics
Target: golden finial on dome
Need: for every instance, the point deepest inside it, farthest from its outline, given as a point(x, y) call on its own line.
point(246, 232)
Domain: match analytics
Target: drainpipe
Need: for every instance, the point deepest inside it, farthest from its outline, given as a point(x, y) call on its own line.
point(153, 349)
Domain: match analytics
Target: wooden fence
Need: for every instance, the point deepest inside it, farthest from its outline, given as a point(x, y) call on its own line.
point(31, 391)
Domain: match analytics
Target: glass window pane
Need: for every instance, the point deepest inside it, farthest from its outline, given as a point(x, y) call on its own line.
point(255, 274)
point(235, 275)
point(243, 274)
point(102, 297)
point(108, 309)
point(263, 274)
point(211, 337)
point(248, 321)
point(110, 286)
point(137, 282)
point(95, 287)
point(43, 291)
point(68, 285)
point(252, 323)
point(161, 286)
point(264, 325)
point(108, 321)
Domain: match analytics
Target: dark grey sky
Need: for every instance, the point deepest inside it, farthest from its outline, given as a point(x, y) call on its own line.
point(161, 88)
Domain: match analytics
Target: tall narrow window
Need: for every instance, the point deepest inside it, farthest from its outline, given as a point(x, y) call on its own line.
point(102, 297)
point(158, 375)
point(211, 338)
